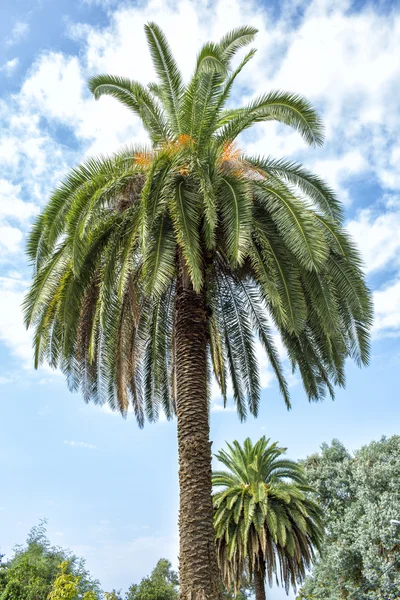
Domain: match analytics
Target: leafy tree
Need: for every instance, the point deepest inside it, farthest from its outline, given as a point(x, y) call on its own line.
point(114, 595)
point(161, 585)
point(91, 595)
point(360, 494)
point(154, 264)
point(264, 517)
point(65, 587)
point(33, 570)
point(2, 573)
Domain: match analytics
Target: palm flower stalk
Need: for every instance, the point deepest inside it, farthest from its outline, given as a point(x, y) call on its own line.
point(159, 266)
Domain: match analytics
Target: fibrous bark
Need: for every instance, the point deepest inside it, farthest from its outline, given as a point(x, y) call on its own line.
point(259, 579)
point(198, 570)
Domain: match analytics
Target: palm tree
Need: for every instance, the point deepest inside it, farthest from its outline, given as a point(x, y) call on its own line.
point(264, 517)
point(156, 267)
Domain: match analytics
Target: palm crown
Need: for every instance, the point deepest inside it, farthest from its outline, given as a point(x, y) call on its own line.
point(265, 519)
point(260, 238)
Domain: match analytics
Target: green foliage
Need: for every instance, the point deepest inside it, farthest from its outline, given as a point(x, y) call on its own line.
point(32, 572)
point(110, 596)
point(261, 238)
point(163, 584)
point(160, 585)
point(264, 515)
point(360, 494)
point(65, 587)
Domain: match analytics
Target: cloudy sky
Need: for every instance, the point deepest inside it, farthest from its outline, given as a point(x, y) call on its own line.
point(108, 489)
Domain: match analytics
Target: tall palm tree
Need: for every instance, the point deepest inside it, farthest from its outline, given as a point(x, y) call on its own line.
point(156, 267)
point(264, 518)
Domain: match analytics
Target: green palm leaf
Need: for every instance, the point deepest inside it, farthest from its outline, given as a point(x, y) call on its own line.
point(171, 85)
point(185, 213)
point(289, 109)
point(134, 96)
point(235, 202)
point(159, 260)
point(263, 513)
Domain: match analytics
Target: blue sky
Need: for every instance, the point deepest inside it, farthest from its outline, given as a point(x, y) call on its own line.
point(109, 490)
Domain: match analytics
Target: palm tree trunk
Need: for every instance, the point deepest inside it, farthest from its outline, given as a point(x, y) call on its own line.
point(259, 579)
point(198, 570)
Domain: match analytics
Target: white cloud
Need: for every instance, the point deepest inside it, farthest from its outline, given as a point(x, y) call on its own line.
point(387, 309)
point(8, 151)
point(11, 205)
point(12, 330)
point(10, 240)
point(80, 445)
point(68, 101)
point(337, 171)
point(62, 100)
point(12, 209)
point(14, 275)
point(18, 33)
point(376, 231)
point(9, 67)
point(342, 61)
point(288, 58)
point(335, 46)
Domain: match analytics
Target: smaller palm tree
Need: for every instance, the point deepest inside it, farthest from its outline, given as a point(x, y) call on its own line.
point(265, 519)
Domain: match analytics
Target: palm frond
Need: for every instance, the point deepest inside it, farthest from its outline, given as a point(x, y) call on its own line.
point(134, 96)
point(315, 189)
point(236, 207)
point(296, 224)
point(239, 332)
point(171, 85)
point(256, 307)
point(185, 213)
point(235, 40)
point(159, 259)
point(280, 281)
point(289, 109)
point(210, 60)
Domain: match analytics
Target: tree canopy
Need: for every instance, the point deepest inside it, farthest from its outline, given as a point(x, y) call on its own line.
point(33, 570)
point(266, 521)
point(360, 494)
point(162, 584)
point(261, 238)
point(66, 585)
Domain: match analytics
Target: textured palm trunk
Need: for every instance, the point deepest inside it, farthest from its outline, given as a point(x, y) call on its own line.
point(259, 580)
point(198, 570)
